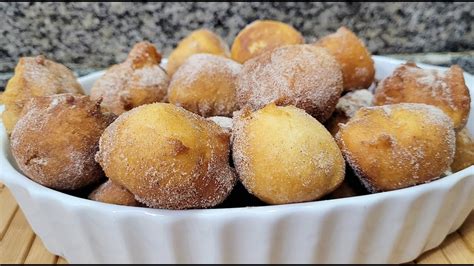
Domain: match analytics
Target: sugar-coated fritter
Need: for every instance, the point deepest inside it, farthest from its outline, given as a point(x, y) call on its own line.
point(464, 156)
point(198, 41)
point(168, 157)
point(110, 192)
point(305, 76)
point(35, 76)
point(55, 140)
point(411, 84)
point(396, 146)
point(205, 84)
point(136, 81)
point(261, 36)
point(283, 155)
point(355, 60)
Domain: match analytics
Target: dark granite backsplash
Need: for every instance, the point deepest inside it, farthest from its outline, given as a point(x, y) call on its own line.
point(96, 35)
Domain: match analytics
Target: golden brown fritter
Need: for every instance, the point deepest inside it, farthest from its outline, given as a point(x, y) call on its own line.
point(136, 81)
point(396, 146)
point(411, 84)
point(464, 156)
point(305, 76)
point(55, 140)
point(168, 157)
point(356, 62)
point(35, 76)
point(205, 84)
point(198, 41)
point(110, 192)
point(261, 36)
point(283, 155)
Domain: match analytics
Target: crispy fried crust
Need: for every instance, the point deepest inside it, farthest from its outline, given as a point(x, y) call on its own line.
point(55, 140)
point(136, 81)
point(205, 84)
point(283, 155)
point(35, 76)
point(356, 62)
point(110, 192)
point(198, 41)
point(411, 84)
point(168, 157)
point(464, 151)
point(261, 36)
point(396, 146)
point(305, 76)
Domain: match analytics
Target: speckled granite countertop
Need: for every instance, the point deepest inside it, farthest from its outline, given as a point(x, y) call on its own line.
point(90, 36)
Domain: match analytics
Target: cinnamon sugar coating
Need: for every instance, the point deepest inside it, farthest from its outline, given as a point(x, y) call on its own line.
point(305, 76)
point(397, 146)
point(261, 36)
point(355, 60)
point(283, 155)
point(206, 85)
point(168, 157)
point(55, 140)
point(445, 90)
point(110, 192)
point(198, 41)
point(35, 76)
point(136, 81)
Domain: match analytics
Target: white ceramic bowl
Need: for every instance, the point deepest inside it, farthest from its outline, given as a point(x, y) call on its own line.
point(389, 227)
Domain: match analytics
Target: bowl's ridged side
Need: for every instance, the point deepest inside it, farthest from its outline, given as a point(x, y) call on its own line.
point(391, 229)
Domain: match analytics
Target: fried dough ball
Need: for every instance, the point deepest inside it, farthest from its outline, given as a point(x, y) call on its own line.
point(136, 81)
point(168, 157)
point(305, 76)
point(355, 60)
point(396, 146)
point(283, 155)
point(464, 156)
point(35, 76)
point(198, 41)
point(261, 36)
point(55, 140)
point(110, 192)
point(346, 108)
point(205, 84)
point(411, 84)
